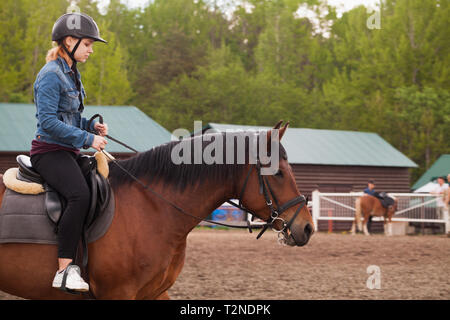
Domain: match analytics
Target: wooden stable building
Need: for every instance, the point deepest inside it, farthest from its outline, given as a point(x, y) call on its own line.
point(126, 123)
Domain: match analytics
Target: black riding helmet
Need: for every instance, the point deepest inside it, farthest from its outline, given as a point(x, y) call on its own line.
point(77, 25)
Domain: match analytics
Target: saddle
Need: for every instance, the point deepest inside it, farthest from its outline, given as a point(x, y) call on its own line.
point(385, 200)
point(55, 205)
point(31, 208)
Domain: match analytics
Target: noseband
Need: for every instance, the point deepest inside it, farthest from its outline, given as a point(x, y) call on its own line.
point(275, 213)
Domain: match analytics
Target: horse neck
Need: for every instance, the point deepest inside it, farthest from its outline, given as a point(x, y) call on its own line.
point(208, 196)
point(199, 202)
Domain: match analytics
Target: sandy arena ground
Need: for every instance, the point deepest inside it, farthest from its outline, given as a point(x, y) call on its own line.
point(233, 265)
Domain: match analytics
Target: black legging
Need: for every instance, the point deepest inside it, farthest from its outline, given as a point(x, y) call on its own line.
point(62, 172)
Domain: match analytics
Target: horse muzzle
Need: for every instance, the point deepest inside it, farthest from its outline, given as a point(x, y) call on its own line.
point(298, 235)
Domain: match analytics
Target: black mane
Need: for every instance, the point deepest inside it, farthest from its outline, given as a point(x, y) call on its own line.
point(156, 165)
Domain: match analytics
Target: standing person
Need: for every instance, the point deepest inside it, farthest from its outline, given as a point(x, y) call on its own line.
point(440, 191)
point(61, 132)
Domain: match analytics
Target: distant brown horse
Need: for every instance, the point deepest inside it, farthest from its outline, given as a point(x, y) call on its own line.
point(369, 206)
point(143, 252)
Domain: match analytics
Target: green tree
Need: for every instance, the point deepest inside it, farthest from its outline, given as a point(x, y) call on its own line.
point(376, 70)
point(422, 117)
point(212, 92)
point(13, 19)
point(105, 75)
point(38, 38)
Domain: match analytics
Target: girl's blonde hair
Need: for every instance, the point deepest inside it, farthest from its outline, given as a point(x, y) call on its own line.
point(57, 51)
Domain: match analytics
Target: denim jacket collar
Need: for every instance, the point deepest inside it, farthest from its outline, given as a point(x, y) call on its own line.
point(65, 66)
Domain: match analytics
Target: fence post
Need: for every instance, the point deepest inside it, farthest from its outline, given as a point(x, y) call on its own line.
point(316, 208)
point(330, 222)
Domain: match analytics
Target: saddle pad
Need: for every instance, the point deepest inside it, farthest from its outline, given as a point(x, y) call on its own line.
point(23, 219)
point(27, 187)
point(11, 182)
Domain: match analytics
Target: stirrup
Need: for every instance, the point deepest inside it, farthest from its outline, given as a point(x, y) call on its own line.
point(64, 279)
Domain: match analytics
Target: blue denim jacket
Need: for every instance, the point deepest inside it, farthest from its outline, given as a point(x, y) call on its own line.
point(370, 192)
point(57, 103)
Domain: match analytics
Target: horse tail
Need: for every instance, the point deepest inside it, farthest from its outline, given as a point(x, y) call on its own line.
point(358, 213)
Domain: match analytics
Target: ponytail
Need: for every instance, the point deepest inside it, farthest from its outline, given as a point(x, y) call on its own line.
point(56, 51)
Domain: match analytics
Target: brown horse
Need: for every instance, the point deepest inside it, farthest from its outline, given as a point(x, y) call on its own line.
point(369, 206)
point(143, 252)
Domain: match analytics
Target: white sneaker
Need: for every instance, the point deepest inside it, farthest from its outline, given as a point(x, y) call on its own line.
point(73, 281)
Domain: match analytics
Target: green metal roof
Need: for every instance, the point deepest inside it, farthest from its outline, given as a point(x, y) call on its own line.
point(440, 168)
point(333, 147)
point(126, 123)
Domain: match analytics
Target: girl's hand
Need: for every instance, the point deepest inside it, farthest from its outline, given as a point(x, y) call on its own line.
point(102, 129)
point(99, 143)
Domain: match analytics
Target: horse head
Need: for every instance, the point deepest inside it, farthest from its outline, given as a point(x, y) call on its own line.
point(392, 208)
point(275, 197)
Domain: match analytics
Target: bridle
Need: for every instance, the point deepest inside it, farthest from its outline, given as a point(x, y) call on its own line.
point(275, 213)
point(264, 188)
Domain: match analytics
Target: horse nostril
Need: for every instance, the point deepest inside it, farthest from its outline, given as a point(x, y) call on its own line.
point(308, 230)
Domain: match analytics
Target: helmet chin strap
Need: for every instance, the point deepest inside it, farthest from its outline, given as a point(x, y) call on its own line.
point(72, 54)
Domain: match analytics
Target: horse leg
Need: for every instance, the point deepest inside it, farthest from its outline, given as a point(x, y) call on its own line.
point(366, 231)
point(169, 277)
point(366, 223)
point(357, 223)
point(387, 226)
point(163, 296)
point(353, 229)
point(360, 225)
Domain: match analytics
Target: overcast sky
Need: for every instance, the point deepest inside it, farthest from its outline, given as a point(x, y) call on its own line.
point(343, 5)
point(346, 5)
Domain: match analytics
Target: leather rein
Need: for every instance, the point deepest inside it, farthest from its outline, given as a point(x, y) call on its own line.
point(264, 188)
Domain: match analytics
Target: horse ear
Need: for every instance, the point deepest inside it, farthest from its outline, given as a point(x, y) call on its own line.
point(283, 130)
point(280, 131)
point(278, 125)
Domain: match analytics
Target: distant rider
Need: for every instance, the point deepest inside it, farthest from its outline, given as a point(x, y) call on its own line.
point(371, 188)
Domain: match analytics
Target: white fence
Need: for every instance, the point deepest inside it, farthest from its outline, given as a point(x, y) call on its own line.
point(412, 207)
